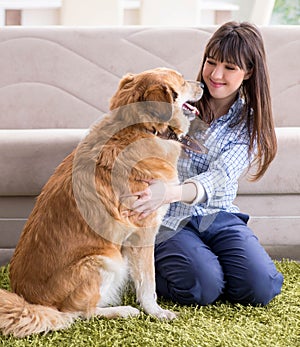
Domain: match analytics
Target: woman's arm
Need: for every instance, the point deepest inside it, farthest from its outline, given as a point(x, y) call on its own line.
point(220, 181)
point(215, 187)
point(160, 193)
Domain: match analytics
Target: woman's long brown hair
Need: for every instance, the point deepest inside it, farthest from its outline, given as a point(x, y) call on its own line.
point(242, 44)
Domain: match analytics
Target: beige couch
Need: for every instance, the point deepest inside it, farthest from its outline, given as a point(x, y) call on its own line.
point(55, 82)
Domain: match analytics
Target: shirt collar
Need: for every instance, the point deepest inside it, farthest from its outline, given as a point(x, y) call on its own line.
point(233, 111)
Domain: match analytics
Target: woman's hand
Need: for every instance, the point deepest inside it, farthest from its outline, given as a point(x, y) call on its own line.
point(157, 194)
point(160, 193)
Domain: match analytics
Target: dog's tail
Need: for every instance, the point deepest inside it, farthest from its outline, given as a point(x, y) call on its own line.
point(21, 318)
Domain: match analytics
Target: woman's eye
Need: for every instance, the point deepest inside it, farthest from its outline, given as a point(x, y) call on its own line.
point(210, 62)
point(231, 66)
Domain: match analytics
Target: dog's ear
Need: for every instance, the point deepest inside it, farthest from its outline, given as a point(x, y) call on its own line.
point(158, 101)
point(159, 92)
point(124, 94)
point(128, 78)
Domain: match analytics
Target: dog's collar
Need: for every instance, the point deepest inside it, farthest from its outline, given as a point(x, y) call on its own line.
point(186, 141)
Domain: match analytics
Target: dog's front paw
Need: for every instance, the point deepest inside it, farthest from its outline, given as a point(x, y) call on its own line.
point(165, 314)
point(160, 313)
point(153, 309)
point(128, 311)
point(117, 311)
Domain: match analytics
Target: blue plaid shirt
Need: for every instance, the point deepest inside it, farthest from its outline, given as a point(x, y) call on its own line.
point(218, 171)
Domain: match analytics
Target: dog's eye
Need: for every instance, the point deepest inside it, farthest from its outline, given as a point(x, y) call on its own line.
point(174, 95)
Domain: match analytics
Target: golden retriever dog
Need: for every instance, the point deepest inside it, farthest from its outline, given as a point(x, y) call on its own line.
point(81, 243)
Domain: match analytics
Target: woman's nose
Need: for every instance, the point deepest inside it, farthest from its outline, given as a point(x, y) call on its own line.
point(217, 72)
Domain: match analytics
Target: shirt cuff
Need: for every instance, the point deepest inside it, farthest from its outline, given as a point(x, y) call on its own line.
point(200, 195)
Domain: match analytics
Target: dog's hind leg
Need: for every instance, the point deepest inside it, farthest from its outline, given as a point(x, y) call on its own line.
point(97, 283)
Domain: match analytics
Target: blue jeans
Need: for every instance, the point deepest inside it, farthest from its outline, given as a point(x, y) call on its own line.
point(215, 256)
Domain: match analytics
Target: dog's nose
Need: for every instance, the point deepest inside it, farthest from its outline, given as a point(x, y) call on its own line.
point(199, 84)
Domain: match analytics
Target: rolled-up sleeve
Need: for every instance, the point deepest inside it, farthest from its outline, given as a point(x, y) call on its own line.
point(220, 179)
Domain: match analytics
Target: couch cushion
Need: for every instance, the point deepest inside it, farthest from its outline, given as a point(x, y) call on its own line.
point(29, 157)
point(282, 177)
point(282, 46)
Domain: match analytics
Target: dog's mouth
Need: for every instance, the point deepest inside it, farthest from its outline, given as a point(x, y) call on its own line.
point(185, 140)
point(190, 111)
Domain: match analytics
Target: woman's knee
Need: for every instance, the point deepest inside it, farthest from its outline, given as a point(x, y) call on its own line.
point(190, 286)
point(188, 275)
point(251, 275)
point(258, 287)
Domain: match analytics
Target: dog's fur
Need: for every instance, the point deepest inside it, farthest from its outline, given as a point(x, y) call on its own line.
point(80, 243)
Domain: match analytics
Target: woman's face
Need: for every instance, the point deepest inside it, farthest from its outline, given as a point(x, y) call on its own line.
point(222, 79)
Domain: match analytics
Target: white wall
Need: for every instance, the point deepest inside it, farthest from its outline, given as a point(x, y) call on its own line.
point(40, 17)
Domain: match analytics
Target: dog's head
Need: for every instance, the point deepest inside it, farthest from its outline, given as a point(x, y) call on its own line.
point(159, 97)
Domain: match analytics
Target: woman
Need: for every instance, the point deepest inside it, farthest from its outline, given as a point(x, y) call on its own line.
point(205, 249)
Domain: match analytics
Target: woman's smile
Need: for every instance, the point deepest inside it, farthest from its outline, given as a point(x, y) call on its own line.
point(216, 84)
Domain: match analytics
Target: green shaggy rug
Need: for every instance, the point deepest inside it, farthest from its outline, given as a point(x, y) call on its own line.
point(218, 325)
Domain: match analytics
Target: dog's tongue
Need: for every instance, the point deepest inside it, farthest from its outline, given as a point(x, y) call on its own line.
point(189, 110)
